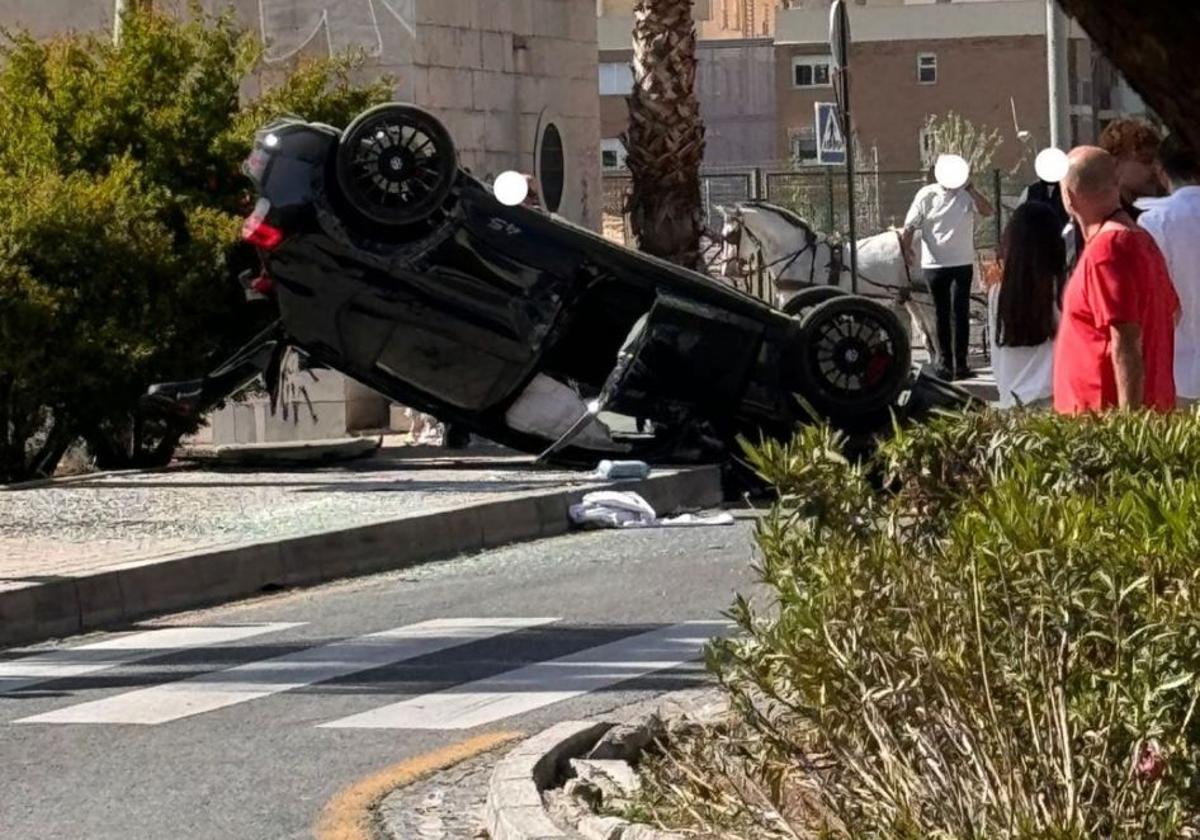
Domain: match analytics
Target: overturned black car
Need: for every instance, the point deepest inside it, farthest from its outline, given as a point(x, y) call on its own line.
point(391, 264)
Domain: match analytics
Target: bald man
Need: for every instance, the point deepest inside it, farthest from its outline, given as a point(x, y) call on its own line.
point(1116, 340)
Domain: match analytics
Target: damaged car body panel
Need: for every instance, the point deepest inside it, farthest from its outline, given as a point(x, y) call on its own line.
point(395, 267)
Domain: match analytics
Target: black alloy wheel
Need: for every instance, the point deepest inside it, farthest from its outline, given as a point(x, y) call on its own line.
point(396, 165)
point(854, 357)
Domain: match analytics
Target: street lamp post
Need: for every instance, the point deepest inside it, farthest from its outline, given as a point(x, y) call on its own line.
point(1058, 72)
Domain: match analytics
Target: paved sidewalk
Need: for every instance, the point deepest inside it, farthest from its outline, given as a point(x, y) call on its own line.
point(983, 386)
point(86, 552)
point(104, 521)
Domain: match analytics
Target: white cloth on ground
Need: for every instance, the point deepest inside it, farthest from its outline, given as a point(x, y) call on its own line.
point(622, 509)
point(425, 430)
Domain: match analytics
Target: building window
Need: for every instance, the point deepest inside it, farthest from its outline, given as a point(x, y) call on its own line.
point(804, 145)
point(616, 79)
point(552, 168)
point(927, 69)
point(808, 72)
point(612, 154)
point(1081, 92)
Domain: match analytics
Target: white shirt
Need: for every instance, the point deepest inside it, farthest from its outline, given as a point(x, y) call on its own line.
point(946, 220)
point(1024, 375)
point(1175, 225)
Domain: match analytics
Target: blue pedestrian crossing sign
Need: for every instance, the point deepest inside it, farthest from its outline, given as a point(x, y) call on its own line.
point(831, 144)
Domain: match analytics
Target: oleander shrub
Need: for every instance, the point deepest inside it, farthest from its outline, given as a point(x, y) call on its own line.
point(120, 202)
point(1003, 644)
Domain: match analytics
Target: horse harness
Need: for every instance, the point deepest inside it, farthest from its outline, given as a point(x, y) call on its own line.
point(788, 260)
point(837, 262)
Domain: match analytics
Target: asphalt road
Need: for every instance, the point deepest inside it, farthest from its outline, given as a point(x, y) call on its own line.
point(243, 721)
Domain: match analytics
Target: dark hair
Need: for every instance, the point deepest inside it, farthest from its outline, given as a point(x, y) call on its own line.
point(1179, 160)
point(1035, 264)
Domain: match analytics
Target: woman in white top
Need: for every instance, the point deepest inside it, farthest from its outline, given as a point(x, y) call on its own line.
point(1023, 307)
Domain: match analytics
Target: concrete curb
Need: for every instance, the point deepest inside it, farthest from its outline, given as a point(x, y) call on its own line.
point(284, 454)
point(514, 808)
point(68, 605)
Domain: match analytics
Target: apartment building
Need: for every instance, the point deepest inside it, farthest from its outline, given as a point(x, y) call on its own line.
point(984, 59)
point(735, 77)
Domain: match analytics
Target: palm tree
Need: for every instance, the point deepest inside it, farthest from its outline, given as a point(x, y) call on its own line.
point(665, 139)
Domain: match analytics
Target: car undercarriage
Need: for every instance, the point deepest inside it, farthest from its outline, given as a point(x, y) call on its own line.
point(393, 265)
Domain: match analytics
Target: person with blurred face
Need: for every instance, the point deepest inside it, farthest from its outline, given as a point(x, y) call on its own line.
point(1134, 143)
point(534, 198)
point(1116, 339)
point(945, 220)
point(1175, 225)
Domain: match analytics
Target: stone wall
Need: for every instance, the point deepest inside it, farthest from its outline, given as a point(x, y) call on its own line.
point(496, 71)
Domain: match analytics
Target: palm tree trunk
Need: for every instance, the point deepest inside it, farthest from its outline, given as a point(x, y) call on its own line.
point(1153, 44)
point(665, 139)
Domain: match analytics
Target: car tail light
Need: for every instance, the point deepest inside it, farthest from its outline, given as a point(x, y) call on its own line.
point(260, 234)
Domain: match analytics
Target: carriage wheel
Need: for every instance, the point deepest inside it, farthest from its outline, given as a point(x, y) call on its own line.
point(396, 165)
point(854, 357)
point(808, 299)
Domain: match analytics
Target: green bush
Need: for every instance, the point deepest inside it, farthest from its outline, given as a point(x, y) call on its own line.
point(1004, 645)
point(120, 201)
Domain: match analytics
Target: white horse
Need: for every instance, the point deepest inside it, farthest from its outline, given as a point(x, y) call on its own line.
point(760, 236)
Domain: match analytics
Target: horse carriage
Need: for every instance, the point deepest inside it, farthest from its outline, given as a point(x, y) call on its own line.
point(393, 265)
point(770, 251)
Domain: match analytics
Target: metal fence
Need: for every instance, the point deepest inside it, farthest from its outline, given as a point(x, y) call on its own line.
point(819, 196)
point(719, 188)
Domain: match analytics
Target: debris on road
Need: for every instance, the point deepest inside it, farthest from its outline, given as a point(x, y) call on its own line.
point(622, 470)
point(623, 509)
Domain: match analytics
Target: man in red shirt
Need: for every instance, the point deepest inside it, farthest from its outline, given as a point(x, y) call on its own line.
point(1116, 339)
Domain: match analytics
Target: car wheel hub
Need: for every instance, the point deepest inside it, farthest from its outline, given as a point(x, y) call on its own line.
point(852, 354)
point(394, 165)
point(397, 165)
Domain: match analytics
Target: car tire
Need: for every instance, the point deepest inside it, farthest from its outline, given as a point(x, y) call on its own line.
point(808, 299)
point(396, 165)
point(854, 358)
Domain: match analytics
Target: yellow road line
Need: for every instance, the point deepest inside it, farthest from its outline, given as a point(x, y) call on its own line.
point(348, 816)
